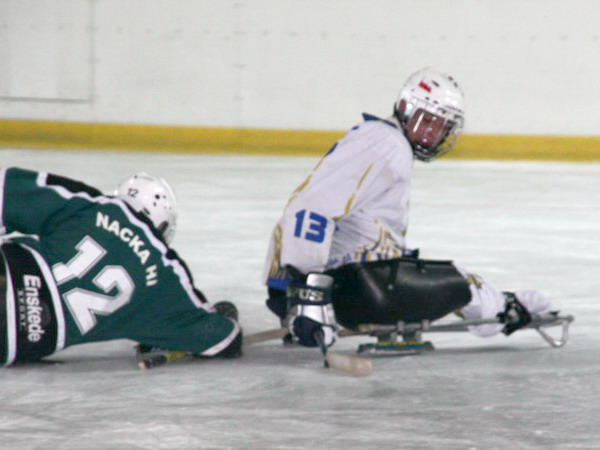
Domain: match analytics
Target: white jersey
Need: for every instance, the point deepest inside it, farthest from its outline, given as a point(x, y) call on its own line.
point(352, 207)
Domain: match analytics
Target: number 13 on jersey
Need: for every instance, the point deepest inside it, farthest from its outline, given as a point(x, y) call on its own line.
point(310, 226)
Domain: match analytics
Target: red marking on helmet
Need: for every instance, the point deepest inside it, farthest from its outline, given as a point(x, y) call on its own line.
point(425, 86)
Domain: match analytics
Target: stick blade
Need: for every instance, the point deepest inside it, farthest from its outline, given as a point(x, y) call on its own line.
point(152, 361)
point(349, 364)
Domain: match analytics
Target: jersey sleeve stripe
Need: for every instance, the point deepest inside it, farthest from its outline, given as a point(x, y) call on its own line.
point(224, 343)
point(11, 328)
point(2, 184)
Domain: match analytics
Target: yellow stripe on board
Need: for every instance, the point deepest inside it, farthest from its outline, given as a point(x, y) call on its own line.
point(540, 148)
point(69, 135)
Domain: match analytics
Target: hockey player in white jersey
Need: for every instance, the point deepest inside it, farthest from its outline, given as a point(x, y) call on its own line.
point(338, 254)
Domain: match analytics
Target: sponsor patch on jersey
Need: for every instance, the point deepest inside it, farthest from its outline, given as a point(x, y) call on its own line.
point(31, 308)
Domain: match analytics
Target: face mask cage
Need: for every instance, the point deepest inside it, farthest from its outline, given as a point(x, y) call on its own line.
point(430, 129)
point(168, 230)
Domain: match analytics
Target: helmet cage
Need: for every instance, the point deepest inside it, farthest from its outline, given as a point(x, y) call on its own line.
point(431, 129)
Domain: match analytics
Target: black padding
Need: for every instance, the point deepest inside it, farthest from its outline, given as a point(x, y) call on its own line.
point(35, 320)
point(72, 185)
point(403, 289)
point(277, 302)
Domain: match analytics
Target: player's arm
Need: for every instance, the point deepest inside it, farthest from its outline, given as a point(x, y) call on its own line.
point(199, 333)
point(29, 199)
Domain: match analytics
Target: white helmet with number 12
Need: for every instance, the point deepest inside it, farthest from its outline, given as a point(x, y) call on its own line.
point(152, 197)
point(430, 109)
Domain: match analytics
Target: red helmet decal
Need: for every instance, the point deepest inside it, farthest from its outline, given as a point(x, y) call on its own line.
point(425, 86)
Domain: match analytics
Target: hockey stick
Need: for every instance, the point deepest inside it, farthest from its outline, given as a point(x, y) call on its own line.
point(153, 360)
point(350, 364)
point(268, 335)
point(353, 365)
point(160, 359)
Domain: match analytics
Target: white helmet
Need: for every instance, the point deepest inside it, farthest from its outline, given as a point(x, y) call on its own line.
point(152, 197)
point(430, 109)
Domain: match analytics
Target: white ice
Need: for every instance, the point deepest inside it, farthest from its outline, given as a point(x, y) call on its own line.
point(517, 224)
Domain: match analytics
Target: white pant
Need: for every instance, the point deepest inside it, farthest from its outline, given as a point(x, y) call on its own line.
point(486, 302)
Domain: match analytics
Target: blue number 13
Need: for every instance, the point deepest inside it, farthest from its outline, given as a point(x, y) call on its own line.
point(316, 226)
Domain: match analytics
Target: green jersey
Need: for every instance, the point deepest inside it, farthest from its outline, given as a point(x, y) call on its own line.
point(105, 270)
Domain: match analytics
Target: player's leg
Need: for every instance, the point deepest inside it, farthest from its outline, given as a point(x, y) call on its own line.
point(404, 289)
point(488, 302)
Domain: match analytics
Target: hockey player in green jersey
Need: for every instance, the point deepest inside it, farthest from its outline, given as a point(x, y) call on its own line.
point(87, 267)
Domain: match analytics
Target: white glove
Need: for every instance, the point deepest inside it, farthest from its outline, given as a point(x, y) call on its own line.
point(310, 318)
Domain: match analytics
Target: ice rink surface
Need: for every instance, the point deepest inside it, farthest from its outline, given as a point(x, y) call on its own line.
point(517, 224)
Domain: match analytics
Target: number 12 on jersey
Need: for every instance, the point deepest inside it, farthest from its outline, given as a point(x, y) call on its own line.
point(310, 226)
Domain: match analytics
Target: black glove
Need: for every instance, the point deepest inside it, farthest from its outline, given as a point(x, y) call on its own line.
point(515, 315)
point(306, 329)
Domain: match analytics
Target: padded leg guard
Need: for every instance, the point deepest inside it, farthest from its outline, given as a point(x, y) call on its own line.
point(403, 289)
